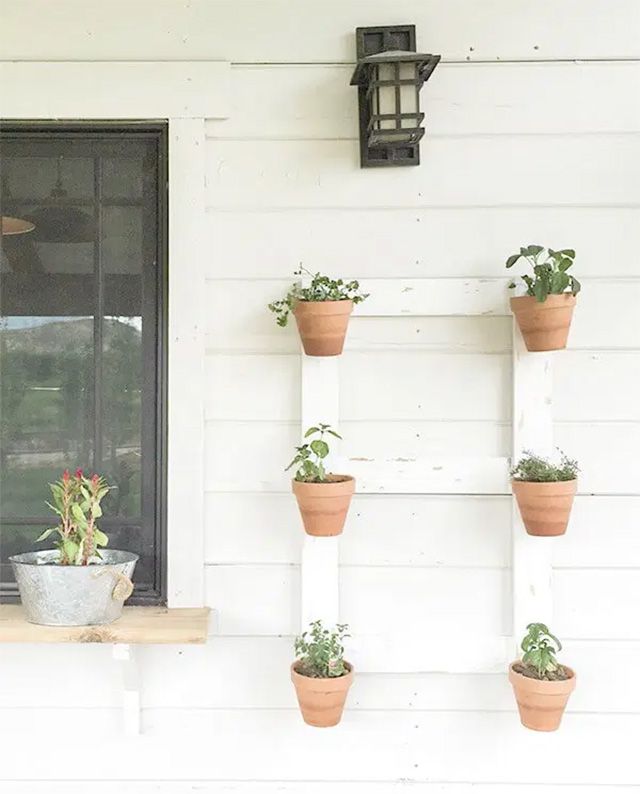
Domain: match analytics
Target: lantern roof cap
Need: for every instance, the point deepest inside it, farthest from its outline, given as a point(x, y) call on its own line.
point(427, 63)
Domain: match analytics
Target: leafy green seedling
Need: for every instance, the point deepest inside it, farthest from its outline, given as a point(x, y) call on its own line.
point(322, 288)
point(550, 268)
point(320, 653)
point(540, 648)
point(533, 468)
point(309, 457)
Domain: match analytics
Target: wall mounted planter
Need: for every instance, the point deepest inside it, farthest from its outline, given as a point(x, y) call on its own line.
point(323, 326)
point(544, 326)
point(324, 505)
point(541, 703)
point(322, 700)
point(545, 507)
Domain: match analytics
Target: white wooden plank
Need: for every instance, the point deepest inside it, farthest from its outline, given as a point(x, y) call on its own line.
point(579, 393)
point(388, 603)
point(597, 603)
point(461, 99)
point(261, 787)
point(186, 384)
point(430, 242)
point(255, 599)
point(122, 90)
point(252, 387)
point(486, 171)
point(460, 30)
point(603, 533)
point(425, 386)
point(319, 589)
point(532, 430)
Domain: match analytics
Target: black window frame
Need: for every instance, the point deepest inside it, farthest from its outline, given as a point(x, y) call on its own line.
point(156, 129)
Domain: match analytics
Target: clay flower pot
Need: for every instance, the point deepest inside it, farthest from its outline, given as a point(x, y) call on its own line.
point(544, 326)
point(545, 506)
point(321, 700)
point(541, 703)
point(323, 326)
point(324, 505)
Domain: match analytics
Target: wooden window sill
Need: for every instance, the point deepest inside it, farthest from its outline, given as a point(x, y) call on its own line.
point(138, 625)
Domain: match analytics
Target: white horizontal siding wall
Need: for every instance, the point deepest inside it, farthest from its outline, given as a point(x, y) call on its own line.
point(533, 136)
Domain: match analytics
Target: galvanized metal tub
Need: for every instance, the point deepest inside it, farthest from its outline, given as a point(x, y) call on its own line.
point(73, 595)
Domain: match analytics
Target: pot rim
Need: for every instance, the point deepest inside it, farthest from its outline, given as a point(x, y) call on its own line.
point(19, 559)
point(295, 675)
point(324, 307)
point(564, 297)
point(326, 489)
point(536, 683)
point(567, 483)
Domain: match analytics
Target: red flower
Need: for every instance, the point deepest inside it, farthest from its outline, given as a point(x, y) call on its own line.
point(79, 473)
point(65, 475)
point(94, 479)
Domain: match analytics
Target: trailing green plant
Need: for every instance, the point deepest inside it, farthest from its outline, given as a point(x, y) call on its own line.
point(76, 502)
point(322, 288)
point(550, 268)
point(533, 468)
point(319, 652)
point(309, 457)
point(539, 651)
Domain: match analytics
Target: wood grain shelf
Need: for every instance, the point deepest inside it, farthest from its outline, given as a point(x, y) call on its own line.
point(137, 626)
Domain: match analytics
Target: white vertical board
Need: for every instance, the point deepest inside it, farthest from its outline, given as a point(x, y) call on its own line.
point(532, 430)
point(320, 582)
point(186, 355)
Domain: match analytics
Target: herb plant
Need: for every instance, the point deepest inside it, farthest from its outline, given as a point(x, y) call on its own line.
point(550, 275)
point(540, 648)
point(532, 468)
point(320, 652)
point(309, 457)
point(322, 288)
point(76, 502)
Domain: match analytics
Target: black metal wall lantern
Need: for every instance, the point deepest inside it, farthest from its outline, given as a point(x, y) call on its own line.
point(389, 76)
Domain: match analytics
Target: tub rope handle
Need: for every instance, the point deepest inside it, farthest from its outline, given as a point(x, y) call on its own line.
point(123, 586)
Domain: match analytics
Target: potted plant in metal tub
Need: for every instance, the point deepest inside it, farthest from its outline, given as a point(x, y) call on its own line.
point(544, 313)
point(79, 583)
point(541, 684)
point(322, 311)
point(320, 674)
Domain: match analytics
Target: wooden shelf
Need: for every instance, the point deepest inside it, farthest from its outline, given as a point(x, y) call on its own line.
point(138, 625)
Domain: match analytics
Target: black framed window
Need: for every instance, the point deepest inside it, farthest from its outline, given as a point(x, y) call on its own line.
point(82, 331)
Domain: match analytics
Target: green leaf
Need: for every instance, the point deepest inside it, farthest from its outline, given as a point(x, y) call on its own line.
point(540, 291)
point(512, 260)
point(46, 534)
point(568, 252)
point(70, 550)
point(311, 431)
point(576, 286)
point(565, 263)
point(77, 513)
point(100, 538)
point(334, 434)
point(321, 448)
point(97, 511)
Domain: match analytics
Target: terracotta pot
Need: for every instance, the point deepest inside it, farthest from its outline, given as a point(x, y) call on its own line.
point(321, 700)
point(323, 326)
point(324, 505)
point(544, 326)
point(541, 703)
point(545, 506)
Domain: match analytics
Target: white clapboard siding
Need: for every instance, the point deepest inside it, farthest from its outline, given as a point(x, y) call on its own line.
point(264, 387)
point(597, 603)
point(494, 170)
point(603, 533)
point(460, 99)
point(436, 530)
point(597, 386)
point(281, 31)
point(462, 241)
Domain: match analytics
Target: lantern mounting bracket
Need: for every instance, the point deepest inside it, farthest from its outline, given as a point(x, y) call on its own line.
point(389, 75)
